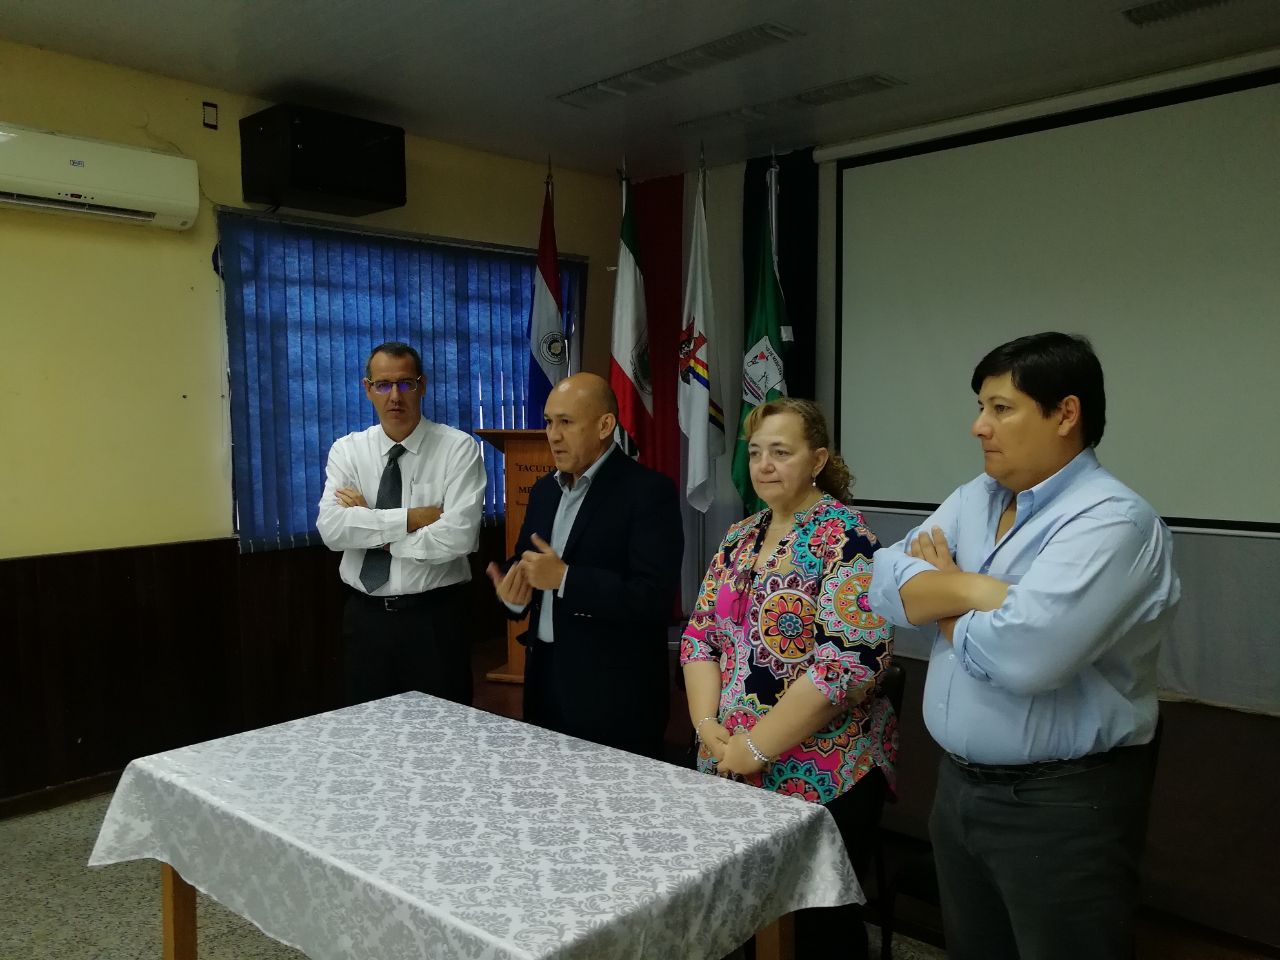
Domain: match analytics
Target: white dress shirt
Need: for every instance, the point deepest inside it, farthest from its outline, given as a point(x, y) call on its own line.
point(441, 466)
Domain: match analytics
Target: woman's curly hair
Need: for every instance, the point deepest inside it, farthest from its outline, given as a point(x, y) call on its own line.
point(835, 477)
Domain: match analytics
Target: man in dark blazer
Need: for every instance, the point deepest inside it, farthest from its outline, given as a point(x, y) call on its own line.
point(596, 569)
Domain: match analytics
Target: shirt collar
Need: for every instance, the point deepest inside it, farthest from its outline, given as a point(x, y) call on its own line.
point(1044, 491)
point(412, 443)
point(588, 473)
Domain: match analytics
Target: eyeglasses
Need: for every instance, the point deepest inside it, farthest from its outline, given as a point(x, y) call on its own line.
point(404, 386)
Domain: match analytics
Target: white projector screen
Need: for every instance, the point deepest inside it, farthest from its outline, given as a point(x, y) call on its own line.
point(1155, 233)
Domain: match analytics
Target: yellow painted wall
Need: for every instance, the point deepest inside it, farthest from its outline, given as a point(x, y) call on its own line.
point(114, 424)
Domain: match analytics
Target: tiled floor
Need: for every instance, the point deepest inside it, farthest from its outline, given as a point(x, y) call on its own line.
point(53, 906)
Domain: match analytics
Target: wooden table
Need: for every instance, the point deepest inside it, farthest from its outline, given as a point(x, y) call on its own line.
point(373, 832)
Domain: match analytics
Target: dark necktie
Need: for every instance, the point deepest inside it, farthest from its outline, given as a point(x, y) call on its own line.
point(376, 569)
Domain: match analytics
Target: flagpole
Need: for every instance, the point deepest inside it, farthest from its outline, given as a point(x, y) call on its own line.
point(702, 516)
point(773, 210)
point(702, 198)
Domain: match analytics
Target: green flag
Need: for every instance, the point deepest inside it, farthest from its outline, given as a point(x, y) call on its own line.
point(763, 377)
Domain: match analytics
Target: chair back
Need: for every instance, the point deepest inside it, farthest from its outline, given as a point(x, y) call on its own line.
point(892, 685)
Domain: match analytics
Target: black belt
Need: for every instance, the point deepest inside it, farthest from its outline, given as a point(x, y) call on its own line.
point(411, 601)
point(1015, 772)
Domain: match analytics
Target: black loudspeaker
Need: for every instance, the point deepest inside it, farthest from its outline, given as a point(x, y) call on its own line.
point(292, 156)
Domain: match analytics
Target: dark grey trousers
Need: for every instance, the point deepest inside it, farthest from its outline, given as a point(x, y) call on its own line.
point(1045, 867)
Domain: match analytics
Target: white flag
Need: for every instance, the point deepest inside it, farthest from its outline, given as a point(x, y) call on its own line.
point(701, 417)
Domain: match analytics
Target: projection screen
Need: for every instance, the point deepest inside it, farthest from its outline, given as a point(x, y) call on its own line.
point(1154, 231)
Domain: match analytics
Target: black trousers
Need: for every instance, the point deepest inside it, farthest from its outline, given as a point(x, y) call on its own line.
point(415, 643)
point(1042, 867)
point(828, 933)
point(552, 701)
point(839, 933)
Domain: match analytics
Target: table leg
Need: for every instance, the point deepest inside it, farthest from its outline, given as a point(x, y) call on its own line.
point(778, 940)
point(178, 899)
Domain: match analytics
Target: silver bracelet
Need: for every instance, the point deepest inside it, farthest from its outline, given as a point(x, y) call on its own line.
point(755, 752)
point(697, 730)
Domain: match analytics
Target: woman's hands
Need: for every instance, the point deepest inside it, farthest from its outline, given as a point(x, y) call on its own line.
point(729, 752)
point(738, 758)
point(714, 739)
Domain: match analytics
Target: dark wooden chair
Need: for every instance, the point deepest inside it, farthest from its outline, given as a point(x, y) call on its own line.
point(892, 686)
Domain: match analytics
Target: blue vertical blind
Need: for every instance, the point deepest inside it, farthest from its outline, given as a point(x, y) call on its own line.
point(305, 306)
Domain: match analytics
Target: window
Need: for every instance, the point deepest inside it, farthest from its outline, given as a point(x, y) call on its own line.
point(306, 304)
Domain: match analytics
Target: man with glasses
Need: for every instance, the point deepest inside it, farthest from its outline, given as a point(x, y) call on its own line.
point(402, 501)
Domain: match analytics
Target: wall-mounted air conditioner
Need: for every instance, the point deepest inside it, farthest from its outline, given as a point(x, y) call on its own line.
point(42, 170)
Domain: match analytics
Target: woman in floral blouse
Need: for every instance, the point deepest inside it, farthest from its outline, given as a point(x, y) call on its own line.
point(783, 653)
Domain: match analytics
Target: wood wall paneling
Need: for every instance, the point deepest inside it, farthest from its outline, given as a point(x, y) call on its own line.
point(114, 654)
point(110, 655)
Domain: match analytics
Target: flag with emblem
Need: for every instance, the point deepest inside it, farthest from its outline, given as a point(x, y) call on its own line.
point(548, 352)
point(701, 417)
point(763, 376)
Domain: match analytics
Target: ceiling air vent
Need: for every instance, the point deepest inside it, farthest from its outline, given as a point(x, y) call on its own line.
point(814, 97)
point(846, 89)
point(704, 57)
point(1160, 10)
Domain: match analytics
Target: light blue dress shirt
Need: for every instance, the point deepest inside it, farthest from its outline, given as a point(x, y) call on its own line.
point(571, 498)
point(1067, 666)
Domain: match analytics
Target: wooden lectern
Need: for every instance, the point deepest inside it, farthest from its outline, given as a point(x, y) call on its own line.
point(527, 458)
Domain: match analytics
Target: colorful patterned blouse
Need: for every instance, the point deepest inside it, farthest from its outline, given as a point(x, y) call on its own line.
point(805, 613)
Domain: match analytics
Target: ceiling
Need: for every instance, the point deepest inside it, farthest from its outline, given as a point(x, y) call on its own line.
point(487, 73)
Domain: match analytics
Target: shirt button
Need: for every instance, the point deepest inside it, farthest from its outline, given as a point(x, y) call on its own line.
point(951, 656)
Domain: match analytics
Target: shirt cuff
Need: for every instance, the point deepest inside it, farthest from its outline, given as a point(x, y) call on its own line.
point(891, 570)
point(404, 548)
point(513, 608)
point(960, 643)
point(395, 522)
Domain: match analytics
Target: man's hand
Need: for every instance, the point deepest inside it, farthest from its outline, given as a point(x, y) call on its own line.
point(543, 566)
point(350, 497)
point(932, 547)
point(514, 587)
point(984, 593)
point(419, 517)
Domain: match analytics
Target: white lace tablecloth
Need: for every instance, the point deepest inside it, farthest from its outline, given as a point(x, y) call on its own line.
point(412, 828)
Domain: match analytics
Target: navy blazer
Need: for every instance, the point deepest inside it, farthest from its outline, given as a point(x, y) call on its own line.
point(624, 555)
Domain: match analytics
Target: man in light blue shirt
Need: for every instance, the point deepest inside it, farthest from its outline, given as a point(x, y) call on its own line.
point(1050, 584)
